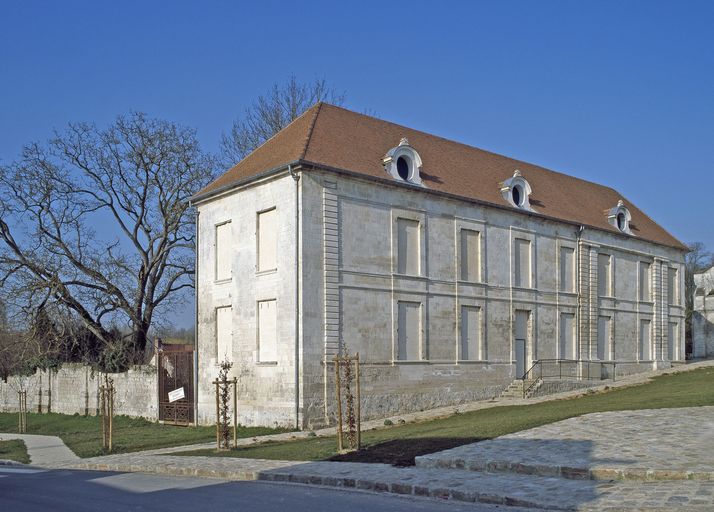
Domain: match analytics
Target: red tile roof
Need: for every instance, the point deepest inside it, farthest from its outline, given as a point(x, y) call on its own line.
point(336, 138)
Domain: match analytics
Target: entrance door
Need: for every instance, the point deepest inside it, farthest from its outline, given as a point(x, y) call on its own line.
point(176, 384)
point(521, 343)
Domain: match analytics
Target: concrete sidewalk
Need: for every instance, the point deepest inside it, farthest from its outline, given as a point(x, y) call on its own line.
point(44, 450)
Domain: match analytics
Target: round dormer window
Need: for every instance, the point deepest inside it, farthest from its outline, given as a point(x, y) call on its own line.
point(403, 163)
point(619, 217)
point(621, 221)
point(516, 191)
point(403, 167)
point(517, 195)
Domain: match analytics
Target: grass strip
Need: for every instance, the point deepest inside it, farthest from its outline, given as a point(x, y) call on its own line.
point(82, 434)
point(400, 444)
point(14, 449)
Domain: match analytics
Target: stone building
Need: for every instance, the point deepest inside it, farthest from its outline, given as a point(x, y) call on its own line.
point(450, 269)
point(703, 315)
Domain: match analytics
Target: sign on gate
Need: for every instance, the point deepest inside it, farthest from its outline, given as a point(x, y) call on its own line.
point(176, 394)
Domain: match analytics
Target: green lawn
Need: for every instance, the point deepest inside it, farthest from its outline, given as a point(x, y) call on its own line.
point(14, 450)
point(400, 444)
point(83, 434)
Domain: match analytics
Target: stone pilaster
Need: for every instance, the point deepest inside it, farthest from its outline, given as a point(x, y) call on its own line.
point(331, 248)
point(587, 299)
point(661, 313)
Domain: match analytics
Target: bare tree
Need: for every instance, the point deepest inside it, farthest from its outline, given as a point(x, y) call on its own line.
point(697, 260)
point(272, 112)
point(97, 222)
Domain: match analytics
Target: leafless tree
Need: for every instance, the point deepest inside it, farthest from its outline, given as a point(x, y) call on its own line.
point(272, 112)
point(97, 223)
point(697, 260)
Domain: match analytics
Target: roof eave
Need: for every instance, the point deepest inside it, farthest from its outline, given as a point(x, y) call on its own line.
point(204, 196)
point(386, 181)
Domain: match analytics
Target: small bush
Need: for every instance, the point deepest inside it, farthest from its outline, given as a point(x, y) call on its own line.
point(388, 423)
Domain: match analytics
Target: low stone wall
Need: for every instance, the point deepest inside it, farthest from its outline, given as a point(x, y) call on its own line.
point(74, 389)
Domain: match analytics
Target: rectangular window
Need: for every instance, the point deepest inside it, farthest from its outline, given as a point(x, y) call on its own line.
point(223, 251)
point(522, 271)
point(604, 338)
point(645, 294)
point(645, 341)
point(224, 334)
point(409, 331)
point(604, 280)
point(470, 257)
point(408, 258)
point(672, 341)
point(471, 347)
point(672, 286)
point(267, 331)
point(567, 270)
point(567, 336)
point(267, 240)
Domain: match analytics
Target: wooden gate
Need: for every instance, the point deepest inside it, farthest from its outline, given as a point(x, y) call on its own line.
point(176, 384)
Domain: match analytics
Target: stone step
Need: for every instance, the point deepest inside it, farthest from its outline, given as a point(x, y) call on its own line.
point(595, 472)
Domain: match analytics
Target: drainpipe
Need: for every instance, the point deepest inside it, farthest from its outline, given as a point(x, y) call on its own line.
point(296, 177)
point(195, 331)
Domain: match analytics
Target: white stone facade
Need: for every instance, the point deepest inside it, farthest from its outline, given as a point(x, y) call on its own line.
point(380, 269)
point(703, 315)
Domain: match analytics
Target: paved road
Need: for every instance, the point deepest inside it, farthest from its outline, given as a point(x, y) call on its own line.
point(26, 489)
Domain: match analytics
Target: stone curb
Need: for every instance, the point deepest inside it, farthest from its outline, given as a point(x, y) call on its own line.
point(8, 462)
point(570, 473)
point(388, 486)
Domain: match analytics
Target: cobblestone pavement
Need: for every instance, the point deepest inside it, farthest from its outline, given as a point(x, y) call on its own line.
point(657, 444)
point(550, 493)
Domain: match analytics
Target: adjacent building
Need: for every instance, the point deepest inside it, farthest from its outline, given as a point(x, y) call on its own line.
point(703, 315)
point(450, 269)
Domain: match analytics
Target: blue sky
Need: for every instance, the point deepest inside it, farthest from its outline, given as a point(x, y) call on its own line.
point(617, 92)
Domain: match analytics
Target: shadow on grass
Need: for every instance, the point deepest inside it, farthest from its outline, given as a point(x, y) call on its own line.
point(401, 452)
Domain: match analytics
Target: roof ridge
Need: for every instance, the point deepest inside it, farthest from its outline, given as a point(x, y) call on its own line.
point(311, 128)
point(469, 146)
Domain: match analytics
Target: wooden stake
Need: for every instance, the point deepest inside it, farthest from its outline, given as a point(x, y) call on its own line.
point(338, 396)
point(111, 415)
point(235, 412)
point(218, 419)
point(358, 407)
point(103, 417)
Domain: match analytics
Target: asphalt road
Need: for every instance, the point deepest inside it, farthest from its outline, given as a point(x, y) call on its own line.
point(27, 489)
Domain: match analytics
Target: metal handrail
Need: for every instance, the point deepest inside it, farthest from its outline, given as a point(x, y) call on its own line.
point(574, 368)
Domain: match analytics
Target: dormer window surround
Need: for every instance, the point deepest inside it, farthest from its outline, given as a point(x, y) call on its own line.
point(620, 217)
point(516, 191)
point(403, 163)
